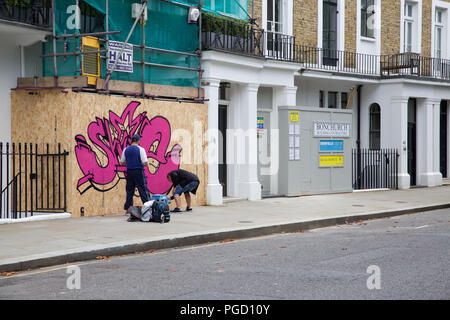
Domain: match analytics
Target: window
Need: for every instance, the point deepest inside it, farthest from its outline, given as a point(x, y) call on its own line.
point(274, 24)
point(408, 27)
point(321, 102)
point(439, 26)
point(374, 130)
point(344, 100)
point(330, 32)
point(332, 100)
point(367, 16)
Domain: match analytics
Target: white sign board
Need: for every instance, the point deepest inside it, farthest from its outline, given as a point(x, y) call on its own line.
point(331, 129)
point(125, 63)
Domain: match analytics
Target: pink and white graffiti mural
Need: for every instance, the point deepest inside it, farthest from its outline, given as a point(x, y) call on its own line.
point(109, 137)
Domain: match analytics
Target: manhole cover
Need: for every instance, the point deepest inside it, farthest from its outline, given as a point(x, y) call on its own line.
point(399, 201)
point(358, 205)
point(245, 221)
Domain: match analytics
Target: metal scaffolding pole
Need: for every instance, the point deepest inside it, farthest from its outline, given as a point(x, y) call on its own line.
point(199, 53)
point(143, 56)
point(108, 75)
point(55, 68)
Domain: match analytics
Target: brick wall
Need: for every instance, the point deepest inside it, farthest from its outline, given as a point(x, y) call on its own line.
point(305, 22)
point(390, 26)
point(257, 9)
point(350, 25)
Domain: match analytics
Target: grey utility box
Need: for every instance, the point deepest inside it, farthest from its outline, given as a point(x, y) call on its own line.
point(315, 151)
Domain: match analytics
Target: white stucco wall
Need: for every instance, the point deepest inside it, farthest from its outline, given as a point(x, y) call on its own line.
point(10, 71)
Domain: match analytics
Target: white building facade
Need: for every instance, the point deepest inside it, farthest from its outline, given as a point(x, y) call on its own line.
point(402, 107)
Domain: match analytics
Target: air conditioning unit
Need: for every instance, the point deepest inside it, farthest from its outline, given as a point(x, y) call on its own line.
point(136, 9)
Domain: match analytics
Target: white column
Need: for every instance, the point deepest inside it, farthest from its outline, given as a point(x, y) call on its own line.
point(249, 185)
point(399, 138)
point(213, 188)
point(428, 113)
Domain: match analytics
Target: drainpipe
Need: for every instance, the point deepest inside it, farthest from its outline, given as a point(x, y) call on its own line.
point(358, 138)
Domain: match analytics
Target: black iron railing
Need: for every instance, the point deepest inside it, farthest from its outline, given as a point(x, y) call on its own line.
point(231, 36)
point(375, 169)
point(31, 180)
point(34, 12)
point(337, 60)
point(413, 64)
point(280, 46)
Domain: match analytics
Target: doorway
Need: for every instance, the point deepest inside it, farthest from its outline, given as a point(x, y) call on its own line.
point(329, 33)
point(412, 106)
point(263, 133)
point(443, 139)
point(223, 148)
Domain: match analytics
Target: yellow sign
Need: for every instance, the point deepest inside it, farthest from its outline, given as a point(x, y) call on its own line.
point(294, 116)
point(331, 160)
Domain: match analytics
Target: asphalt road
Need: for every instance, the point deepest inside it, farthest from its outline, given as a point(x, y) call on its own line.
point(405, 257)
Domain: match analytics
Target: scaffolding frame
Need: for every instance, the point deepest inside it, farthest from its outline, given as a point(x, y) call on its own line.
point(105, 88)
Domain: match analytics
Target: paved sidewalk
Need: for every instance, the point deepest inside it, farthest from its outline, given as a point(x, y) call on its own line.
point(44, 243)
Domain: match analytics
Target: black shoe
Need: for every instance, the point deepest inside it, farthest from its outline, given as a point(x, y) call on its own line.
point(176, 210)
point(188, 209)
point(132, 219)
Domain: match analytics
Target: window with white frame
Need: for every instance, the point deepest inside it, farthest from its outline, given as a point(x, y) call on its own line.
point(274, 24)
point(367, 18)
point(408, 30)
point(438, 33)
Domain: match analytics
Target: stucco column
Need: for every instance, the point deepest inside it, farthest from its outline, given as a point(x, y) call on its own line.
point(428, 123)
point(213, 188)
point(249, 185)
point(399, 138)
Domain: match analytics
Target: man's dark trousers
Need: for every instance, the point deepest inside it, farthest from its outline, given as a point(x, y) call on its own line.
point(136, 179)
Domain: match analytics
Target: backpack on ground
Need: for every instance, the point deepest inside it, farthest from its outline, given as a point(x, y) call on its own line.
point(160, 211)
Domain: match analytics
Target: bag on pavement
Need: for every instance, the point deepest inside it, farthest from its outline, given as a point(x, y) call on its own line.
point(147, 211)
point(160, 211)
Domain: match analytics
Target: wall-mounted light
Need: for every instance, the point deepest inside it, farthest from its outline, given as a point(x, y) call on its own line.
point(194, 14)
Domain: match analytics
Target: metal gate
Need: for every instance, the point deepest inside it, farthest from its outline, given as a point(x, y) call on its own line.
point(32, 180)
point(375, 169)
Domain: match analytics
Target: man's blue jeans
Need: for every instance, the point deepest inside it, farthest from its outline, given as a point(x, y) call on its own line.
point(136, 179)
point(187, 188)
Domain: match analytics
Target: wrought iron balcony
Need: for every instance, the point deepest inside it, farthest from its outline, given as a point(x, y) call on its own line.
point(245, 39)
point(32, 12)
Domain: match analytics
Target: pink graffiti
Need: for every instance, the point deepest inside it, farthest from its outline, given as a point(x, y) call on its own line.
point(109, 137)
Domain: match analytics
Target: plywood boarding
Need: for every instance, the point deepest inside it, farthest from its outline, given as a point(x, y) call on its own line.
point(48, 82)
point(56, 116)
point(117, 86)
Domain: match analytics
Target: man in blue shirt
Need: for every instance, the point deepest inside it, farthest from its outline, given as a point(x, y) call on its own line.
point(135, 158)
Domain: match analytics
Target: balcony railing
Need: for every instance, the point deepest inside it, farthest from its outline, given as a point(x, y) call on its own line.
point(242, 38)
point(413, 64)
point(33, 12)
point(227, 35)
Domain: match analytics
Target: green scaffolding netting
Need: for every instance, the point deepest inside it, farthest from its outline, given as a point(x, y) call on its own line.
point(166, 28)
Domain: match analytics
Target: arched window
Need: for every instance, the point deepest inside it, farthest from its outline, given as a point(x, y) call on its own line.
point(375, 126)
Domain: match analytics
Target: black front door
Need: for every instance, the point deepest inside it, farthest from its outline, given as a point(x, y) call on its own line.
point(223, 148)
point(329, 35)
point(443, 139)
point(412, 140)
